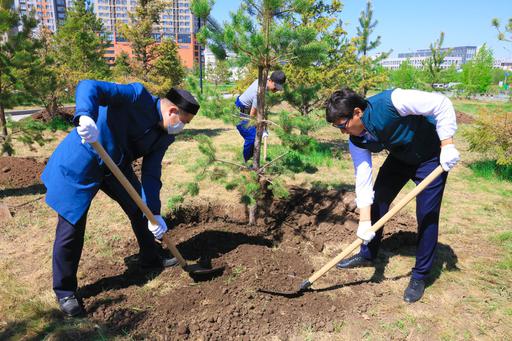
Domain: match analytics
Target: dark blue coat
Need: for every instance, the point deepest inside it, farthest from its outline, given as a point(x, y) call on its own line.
point(127, 117)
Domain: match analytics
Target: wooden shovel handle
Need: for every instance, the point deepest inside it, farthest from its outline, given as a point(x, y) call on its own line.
point(136, 197)
point(417, 190)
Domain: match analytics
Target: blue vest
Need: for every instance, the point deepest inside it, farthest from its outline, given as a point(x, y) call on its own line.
point(411, 139)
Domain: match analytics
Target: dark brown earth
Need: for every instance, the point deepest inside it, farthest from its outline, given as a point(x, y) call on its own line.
point(19, 172)
point(464, 118)
point(273, 257)
point(65, 113)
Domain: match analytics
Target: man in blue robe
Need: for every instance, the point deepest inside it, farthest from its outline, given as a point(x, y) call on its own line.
point(129, 123)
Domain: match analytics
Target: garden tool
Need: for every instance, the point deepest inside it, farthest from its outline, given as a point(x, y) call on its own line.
point(195, 271)
point(375, 227)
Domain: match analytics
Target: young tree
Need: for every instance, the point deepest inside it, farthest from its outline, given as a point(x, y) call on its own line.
point(80, 47)
point(477, 73)
point(139, 32)
point(219, 73)
point(369, 72)
point(507, 28)
point(167, 70)
point(17, 60)
point(432, 65)
point(308, 85)
point(122, 69)
point(263, 42)
point(201, 9)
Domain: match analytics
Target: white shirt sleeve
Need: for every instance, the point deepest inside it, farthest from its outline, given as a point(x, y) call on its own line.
point(415, 102)
point(362, 160)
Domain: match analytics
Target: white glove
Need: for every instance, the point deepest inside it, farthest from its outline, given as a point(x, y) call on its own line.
point(159, 229)
point(87, 129)
point(364, 233)
point(265, 134)
point(449, 157)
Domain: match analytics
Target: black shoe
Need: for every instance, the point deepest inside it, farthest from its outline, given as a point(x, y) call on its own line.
point(356, 261)
point(158, 263)
point(414, 290)
point(70, 306)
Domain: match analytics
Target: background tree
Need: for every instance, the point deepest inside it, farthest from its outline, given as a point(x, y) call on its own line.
point(432, 65)
point(219, 73)
point(370, 72)
point(80, 46)
point(405, 77)
point(477, 73)
point(122, 70)
point(502, 35)
point(17, 61)
point(139, 32)
point(201, 9)
point(167, 69)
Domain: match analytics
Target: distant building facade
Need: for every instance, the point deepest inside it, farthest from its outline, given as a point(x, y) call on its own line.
point(176, 22)
point(457, 56)
point(49, 13)
point(503, 64)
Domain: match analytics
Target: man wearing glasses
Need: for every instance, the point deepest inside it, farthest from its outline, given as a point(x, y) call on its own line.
point(417, 129)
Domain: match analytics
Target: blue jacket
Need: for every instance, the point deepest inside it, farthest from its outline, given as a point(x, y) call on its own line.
point(127, 118)
point(411, 139)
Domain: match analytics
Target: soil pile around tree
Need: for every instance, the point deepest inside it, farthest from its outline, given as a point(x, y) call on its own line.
point(19, 172)
point(299, 235)
point(45, 116)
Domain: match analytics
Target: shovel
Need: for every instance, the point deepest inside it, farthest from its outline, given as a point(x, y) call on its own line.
point(377, 226)
point(195, 271)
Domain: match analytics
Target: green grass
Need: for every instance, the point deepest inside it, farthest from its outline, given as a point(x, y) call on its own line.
point(490, 170)
point(473, 107)
point(505, 240)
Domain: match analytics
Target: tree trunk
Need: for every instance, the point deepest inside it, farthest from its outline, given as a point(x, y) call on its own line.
point(260, 126)
point(3, 126)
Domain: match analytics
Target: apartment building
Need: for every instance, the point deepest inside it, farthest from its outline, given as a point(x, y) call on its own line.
point(176, 23)
point(50, 13)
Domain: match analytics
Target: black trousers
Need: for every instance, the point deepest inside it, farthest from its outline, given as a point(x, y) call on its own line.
point(392, 177)
point(69, 238)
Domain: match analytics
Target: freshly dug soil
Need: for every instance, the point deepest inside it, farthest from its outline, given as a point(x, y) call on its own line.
point(246, 302)
point(464, 118)
point(44, 116)
point(19, 172)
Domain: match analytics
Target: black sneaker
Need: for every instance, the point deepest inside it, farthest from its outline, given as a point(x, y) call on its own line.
point(356, 261)
point(71, 306)
point(158, 263)
point(414, 290)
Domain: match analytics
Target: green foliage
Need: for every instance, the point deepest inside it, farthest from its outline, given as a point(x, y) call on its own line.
point(30, 132)
point(405, 77)
point(432, 65)
point(139, 32)
point(166, 70)
point(507, 29)
point(219, 73)
point(490, 170)
point(477, 73)
point(122, 67)
point(79, 48)
point(369, 74)
point(492, 136)
point(174, 202)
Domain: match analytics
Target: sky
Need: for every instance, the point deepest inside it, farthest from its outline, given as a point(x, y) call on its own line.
point(409, 25)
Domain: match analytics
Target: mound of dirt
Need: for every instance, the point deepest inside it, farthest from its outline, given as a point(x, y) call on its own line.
point(65, 113)
point(247, 302)
point(464, 118)
point(17, 172)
